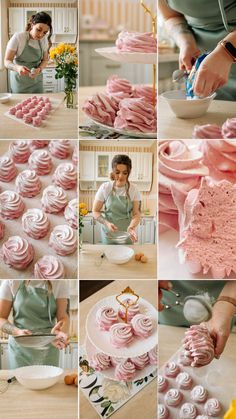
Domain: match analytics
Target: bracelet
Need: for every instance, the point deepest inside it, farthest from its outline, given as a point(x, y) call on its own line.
point(227, 300)
point(229, 48)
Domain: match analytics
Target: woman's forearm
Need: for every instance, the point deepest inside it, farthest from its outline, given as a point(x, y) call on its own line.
point(7, 327)
point(43, 64)
point(65, 323)
point(223, 304)
point(97, 215)
point(135, 220)
point(10, 65)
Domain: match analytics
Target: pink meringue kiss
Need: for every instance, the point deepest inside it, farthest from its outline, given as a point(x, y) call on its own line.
point(173, 397)
point(28, 119)
point(75, 158)
point(172, 369)
point(117, 360)
point(71, 213)
point(184, 380)
point(41, 162)
point(54, 199)
point(19, 151)
point(153, 356)
point(212, 407)
point(199, 394)
point(59, 148)
point(11, 205)
point(49, 267)
point(63, 240)
point(35, 223)
point(65, 176)
point(19, 107)
point(102, 108)
point(17, 252)
point(100, 362)
point(125, 371)
point(140, 361)
point(8, 169)
point(28, 183)
point(33, 112)
point(136, 42)
point(121, 335)
point(136, 115)
point(188, 411)
point(163, 412)
point(162, 384)
point(12, 110)
point(207, 131)
point(132, 310)
point(106, 317)
point(229, 128)
point(42, 114)
point(38, 143)
point(37, 121)
point(19, 114)
point(2, 230)
point(142, 325)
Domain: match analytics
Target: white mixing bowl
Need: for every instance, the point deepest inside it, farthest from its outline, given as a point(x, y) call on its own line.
point(184, 108)
point(38, 377)
point(119, 254)
point(5, 97)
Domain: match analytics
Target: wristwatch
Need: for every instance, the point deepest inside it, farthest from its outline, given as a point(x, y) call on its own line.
point(229, 48)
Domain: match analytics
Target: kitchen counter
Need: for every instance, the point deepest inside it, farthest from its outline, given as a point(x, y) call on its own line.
point(171, 127)
point(62, 124)
point(91, 254)
point(57, 402)
point(142, 405)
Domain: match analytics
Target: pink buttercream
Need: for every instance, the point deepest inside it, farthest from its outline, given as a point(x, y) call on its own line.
point(102, 108)
point(8, 169)
point(49, 267)
point(63, 240)
point(220, 158)
point(121, 335)
point(136, 115)
point(136, 42)
point(106, 317)
point(207, 131)
point(125, 371)
point(17, 252)
point(19, 151)
point(229, 128)
point(11, 205)
point(65, 176)
point(199, 345)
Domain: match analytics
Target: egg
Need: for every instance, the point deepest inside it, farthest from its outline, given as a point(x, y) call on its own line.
point(144, 259)
point(138, 256)
point(69, 380)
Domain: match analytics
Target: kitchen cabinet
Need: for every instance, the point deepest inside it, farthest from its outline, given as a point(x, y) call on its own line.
point(65, 21)
point(50, 83)
point(97, 238)
point(87, 231)
point(87, 166)
point(147, 230)
point(16, 20)
point(4, 365)
point(141, 167)
point(102, 165)
point(69, 357)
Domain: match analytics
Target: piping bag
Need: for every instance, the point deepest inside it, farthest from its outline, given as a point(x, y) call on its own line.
point(190, 79)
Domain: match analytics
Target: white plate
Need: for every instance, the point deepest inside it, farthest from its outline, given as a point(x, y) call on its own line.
point(5, 97)
point(110, 372)
point(112, 53)
point(101, 339)
point(131, 134)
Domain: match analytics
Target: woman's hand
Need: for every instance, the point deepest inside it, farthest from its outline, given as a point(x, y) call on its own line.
point(132, 234)
point(22, 70)
point(20, 332)
point(62, 340)
point(188, 54)
point(213, 72)
point(36, 72)
point(165, 285)
point(111, 227)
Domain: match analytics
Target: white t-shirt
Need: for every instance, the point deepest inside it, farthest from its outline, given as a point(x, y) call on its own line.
point(8, 288)
point(19, 39)
point(106, 188)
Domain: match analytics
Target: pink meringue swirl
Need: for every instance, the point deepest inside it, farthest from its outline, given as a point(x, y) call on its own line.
point(37, 121)
point(11, 205)
point(125, 371)
point(153, 356)
point(17, 252)
point(75, 157)
point(199, 345)
point(35, 223)
point(63, 240)
point(136, 115)
point(184, 359)
point(172, 369)
point(2, 230)
point(115, 86)
point(140, 361)
point(19, 151)
point(229, 128)
point(132, 310)
point(220, 158)
point(38, 143)
point(188, 411)
point(65, 176)
point(199, 394)
point(142, 325)
point(121, 335)
point(212, 407)
point(103, 108)
point(7, 169)
point(59, 148)
point(106, 317)
point(49, 267)
point(207, 131)
point(71, 213)
point(28, 183)
point(163, 412)
point(54, 199)
point(173, 397)
point(136, 42)
point(145, 92)
point(117, 360)
point(162, 384)
point(100, 362)
point(184, 380)
point(41, 162)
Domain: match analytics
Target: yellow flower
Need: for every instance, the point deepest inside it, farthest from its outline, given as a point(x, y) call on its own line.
point(231, 413)
point(82, 205)
point(83, 212)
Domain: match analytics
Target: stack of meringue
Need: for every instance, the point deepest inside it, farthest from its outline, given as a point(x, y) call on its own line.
point(198, 346)
point(136, 42)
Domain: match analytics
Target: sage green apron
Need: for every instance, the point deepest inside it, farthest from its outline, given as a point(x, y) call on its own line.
point(31, 58)
point(174, 316)
point(33, 309)
point(211, 21)
point(117, 211)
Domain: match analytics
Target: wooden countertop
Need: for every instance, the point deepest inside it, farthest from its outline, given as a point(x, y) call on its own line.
point(62, 124)
point(57, 402)
point(133, 269)
point(144, 404)
point(171, 127)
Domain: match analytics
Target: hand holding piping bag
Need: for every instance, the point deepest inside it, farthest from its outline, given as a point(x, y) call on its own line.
point(62, 340)
point(166, 285)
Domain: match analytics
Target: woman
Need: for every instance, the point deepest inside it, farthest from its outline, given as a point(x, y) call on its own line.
point(121, 200)
point(37, 307)
point(198, 26)
point(27, 55)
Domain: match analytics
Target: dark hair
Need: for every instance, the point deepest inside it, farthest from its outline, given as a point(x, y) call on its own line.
point(121, 159)
point(40, 17)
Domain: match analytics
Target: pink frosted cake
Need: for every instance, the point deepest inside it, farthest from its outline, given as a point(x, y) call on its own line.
point(102, 108)
point(220, 158)
point(136, 115)
point(136, 42)
point(199, 346)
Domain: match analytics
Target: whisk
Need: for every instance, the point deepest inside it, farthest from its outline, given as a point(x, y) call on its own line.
point(5, 383)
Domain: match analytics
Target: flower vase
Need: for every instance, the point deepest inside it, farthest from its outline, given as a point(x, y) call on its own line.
point(70, 94)
point(80, 244)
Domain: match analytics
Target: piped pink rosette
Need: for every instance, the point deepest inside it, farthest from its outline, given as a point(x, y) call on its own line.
point(17, 252)
point(136, 115)
point(207, 131)
point(199, 394)
point(103, 108)
point(121, 335)
point(162, 384)
point(100, 361)
point(117, 360)
point(229, 128)
point(28, 183)
point(8, 169)
point(59, 148)
point(136, 42)
point(35, 223)
point(132, 310)
point(11, 205)
point(19, 151)
point(41, 162)
point(163, 411)
point(180, 167)
point(213, 407)
point(153, 356)
point(119, 88)
point(49, 267)
point(63, 240)
point(188, 411)
point(172, 369)
point(140, 361)
point(184, 380)
point(106, 317)
point(75, 158)
point(54, 199)
point(220, 158)
point(173, 397)
point(2, 230)
point(38, 143)
point(146, 92)
point(71, 213)
point(125, 371)
point(65, 176)
point(142, 325)
point(199, 346)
